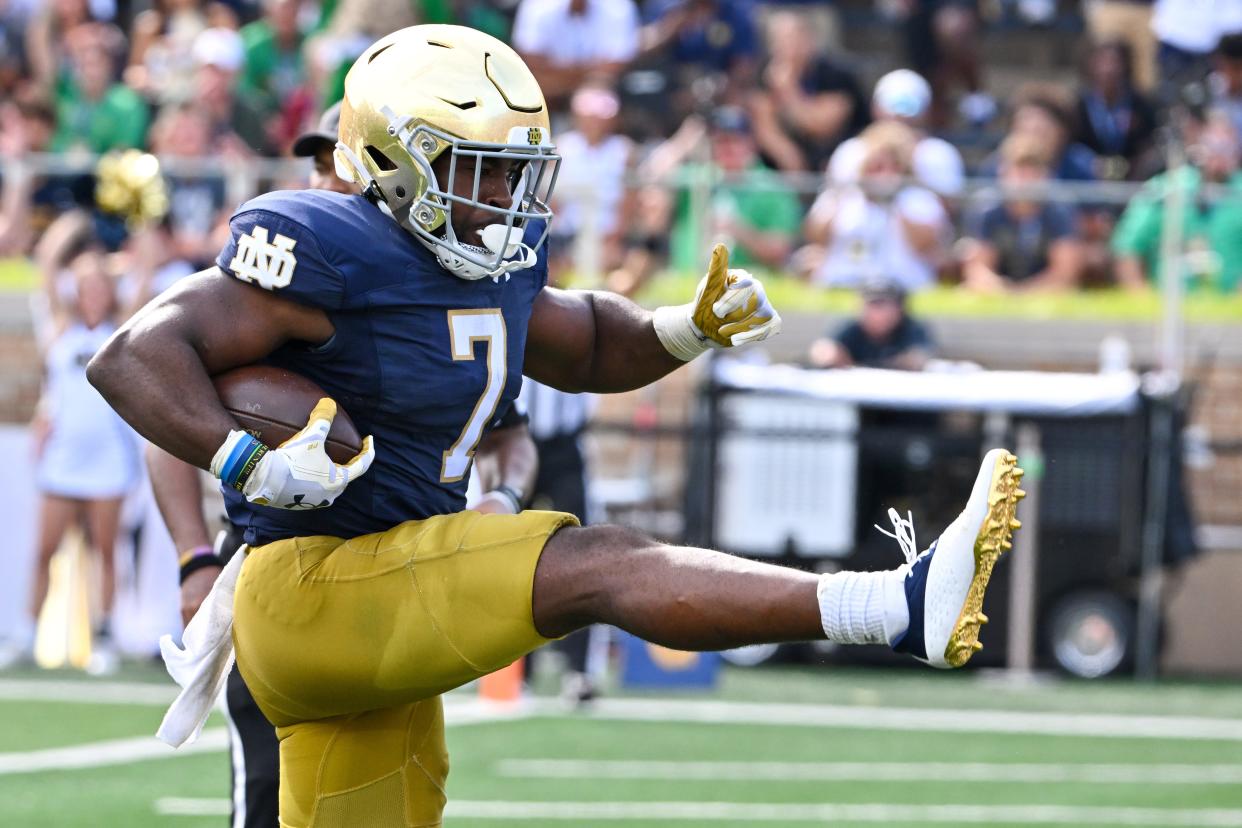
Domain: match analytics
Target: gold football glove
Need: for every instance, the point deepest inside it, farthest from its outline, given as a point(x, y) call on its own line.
point(730, 308)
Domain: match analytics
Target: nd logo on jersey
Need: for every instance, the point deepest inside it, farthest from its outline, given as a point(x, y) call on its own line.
point(270, 264)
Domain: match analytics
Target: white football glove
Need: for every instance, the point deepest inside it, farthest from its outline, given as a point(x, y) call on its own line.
point(730, 308)
point(299, 474)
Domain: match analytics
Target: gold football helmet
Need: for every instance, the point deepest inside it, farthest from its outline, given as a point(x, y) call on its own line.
point(425, 90)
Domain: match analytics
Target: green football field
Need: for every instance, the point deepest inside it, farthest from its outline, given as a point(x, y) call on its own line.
point(780, 747)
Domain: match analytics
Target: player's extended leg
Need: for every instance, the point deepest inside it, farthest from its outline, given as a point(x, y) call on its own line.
point(695, 599)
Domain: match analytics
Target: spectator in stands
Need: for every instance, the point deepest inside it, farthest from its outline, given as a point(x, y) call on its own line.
point(805, 105)
point(28, 203)
point(752, 210)
point(161, 53)
point(1188, 32)
point(591, 194)
point(93, 112)
point(1128, 22)
point(274, 76)
point(1022, 242)
point(712, 47)
point(904, 97)
point(883, 336)
point(877, 225)
point(15, 19)
point(1043, 111)
point(352, 26)
point(1212, 222)
point(1115, 121)
point(565, 42)
point(1225, 82)
point(198, 210)
point(238, 124)
point(942, 39)
point(47, 45)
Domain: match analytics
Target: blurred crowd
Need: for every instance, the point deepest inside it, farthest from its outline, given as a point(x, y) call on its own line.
point(688, 121)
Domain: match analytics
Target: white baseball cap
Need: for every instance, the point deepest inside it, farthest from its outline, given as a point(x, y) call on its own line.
point(221, 48)
point(902, 93)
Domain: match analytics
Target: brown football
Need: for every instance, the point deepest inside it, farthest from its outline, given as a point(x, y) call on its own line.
point(273, 404)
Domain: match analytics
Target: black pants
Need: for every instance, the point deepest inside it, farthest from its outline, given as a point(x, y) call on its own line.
point(254, 752)
point(561, 486)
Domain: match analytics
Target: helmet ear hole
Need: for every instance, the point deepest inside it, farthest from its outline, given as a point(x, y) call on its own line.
point(381, 160)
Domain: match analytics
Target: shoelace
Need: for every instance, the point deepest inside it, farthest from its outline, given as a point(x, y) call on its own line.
point(903, 533)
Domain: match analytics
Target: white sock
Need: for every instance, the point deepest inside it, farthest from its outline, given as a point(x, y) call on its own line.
point(863, 607)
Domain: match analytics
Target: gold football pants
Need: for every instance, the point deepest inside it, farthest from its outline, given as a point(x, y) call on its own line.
point(347, 644)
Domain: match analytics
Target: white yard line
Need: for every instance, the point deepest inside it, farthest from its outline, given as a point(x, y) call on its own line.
point(464, 709)
point(768, 772)
point(883, 813)
point(961, 720)
point(767, 813)
point(110, 752)
point(142, 748)
point(87, 692)
point(186, 806)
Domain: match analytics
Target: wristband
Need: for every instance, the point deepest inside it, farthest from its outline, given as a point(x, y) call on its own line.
point(677, 332)
point(514, 496)
point(200, 557)
point(237, 458)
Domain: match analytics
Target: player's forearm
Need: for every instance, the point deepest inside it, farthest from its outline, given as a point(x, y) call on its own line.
point(627, 353)
point(179, 497)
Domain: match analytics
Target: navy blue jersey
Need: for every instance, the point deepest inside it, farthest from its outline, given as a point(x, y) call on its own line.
point(421, 360)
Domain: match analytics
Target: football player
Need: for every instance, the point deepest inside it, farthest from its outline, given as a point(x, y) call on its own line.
point(367, 591)
point(505, 464)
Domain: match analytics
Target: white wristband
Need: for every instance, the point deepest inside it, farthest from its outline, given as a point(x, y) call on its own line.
point(677, 332)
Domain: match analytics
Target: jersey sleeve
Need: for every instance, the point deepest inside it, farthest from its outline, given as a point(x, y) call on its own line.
point(282, 255)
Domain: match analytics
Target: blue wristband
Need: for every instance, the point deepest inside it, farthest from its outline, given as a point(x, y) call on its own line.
point(241, 462)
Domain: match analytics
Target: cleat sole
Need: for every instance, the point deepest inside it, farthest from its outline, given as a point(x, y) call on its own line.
point(994, 537)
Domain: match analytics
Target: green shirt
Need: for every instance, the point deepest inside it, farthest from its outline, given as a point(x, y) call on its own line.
point(271, 73)
point(118, 120)
point(1211, 234)
point(758, 199)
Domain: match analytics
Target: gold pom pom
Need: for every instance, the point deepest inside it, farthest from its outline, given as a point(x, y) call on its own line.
point(129, 184)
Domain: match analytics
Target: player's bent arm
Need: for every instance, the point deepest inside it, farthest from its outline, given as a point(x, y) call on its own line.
point(592, 341)
point(155, 371)
point(585, 340)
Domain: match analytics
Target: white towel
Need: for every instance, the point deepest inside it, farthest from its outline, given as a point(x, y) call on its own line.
point(201, 666)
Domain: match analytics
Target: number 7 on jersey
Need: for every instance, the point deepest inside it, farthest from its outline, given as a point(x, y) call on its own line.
point(466, 327)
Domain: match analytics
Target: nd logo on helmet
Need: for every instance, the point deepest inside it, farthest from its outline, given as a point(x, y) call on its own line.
point(534, 136)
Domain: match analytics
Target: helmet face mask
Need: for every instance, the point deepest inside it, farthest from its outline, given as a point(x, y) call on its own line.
point(426, 109)
point(531, 180)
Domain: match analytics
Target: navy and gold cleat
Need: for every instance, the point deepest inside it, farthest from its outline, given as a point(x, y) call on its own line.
point(945, 584)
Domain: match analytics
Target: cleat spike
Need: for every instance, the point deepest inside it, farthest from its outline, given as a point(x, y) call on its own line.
point(1015, 524)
